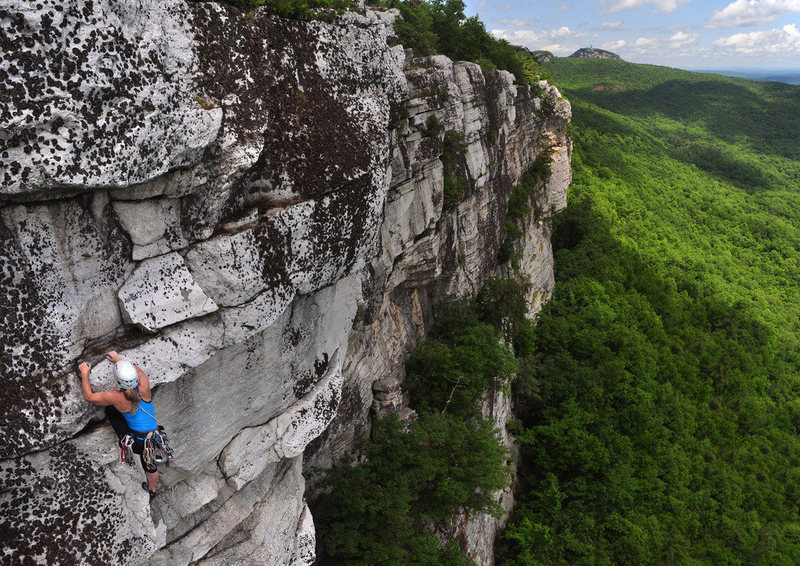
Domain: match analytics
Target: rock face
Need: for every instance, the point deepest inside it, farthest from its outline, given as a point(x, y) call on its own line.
point(250, 208)
point(594, 53)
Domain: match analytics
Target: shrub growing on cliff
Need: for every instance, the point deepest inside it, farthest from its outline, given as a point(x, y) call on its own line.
point(519, 202)
point(302, 9)
point(452, 369)
point(440, 26)
point(502, 304)
point(378, 512)
point(449, 459)
point(453, 149)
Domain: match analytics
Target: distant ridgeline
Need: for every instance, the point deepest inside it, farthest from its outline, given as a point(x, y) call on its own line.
point(592, 53)
point(660, 422)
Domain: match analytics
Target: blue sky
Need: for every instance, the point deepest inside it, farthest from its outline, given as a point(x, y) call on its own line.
point(689, 34)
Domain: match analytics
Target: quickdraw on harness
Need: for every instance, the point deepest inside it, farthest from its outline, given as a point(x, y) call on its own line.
point(156, 448)
point(126, 449)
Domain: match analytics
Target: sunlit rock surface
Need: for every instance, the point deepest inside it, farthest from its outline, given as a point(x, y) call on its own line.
point(250, 208)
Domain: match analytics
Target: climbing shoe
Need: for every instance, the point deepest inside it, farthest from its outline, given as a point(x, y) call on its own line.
point(147, 489)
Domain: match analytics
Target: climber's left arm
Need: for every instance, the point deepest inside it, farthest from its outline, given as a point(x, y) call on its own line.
point(101, 399)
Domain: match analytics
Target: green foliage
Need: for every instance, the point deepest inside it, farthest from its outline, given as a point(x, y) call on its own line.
point(453, 149)
point(532, 69)
point(659, 419)
point(302, 9)
point(440, 26)
point(506, 250)
point(519, 202)
point(501, 303)
point(432, 127)
point(449, 459)
point(462, 358)
point(377, 513)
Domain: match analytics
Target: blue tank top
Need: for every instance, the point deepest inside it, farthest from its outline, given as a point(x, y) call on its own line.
point(143, 417)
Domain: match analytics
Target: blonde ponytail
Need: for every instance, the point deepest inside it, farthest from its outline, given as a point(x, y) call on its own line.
point(132, 396)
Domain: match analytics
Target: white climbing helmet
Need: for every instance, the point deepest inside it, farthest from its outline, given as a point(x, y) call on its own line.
point(126, 374)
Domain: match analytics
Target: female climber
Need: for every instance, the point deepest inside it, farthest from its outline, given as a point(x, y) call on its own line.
point(130, 412)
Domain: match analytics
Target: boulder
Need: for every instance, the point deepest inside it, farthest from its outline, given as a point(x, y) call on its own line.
point(160, 292)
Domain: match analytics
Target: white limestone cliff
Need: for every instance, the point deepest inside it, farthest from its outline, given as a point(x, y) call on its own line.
point(248, 208)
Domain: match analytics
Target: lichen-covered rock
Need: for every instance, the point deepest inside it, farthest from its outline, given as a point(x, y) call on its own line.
point(153, 225)
point(98, 93)
point(305, 540)
point(227, 198)
point(67, 505)
point(160, 292)
point(268, 536)
point(59, 270)
point(269, 503)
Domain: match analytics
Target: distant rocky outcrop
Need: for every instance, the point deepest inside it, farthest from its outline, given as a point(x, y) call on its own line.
point(542, 57)
point(594, 53)
point(251, 208)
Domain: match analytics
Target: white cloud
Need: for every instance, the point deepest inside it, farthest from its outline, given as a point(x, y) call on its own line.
point(752, 12)
point(768, 42)
point(559, 48)
point(515, 23)
point(682, 39)
point(611, 25)
point(524, 37)
point(552, 40)
point(639, 47)
point(663, 6)
point(564, 32)
point(613, 45)
point(644, 43)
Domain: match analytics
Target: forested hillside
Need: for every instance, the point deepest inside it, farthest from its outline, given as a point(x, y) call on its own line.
point(660, 421)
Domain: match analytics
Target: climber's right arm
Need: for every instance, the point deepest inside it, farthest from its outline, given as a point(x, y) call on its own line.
point(144, 385)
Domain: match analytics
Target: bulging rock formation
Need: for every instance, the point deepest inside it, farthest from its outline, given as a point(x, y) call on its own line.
point(251, 209)
point(594, 53)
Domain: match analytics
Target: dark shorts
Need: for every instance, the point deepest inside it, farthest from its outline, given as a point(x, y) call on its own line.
point(121, 428)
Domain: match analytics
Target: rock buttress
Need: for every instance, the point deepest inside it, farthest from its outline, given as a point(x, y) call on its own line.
point(256, 177)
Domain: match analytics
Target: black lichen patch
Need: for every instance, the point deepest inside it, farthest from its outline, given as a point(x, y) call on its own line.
point(85, 100)
point(302, 96)
point(60, 512)
point(272, 246)
point(26, 353)
point(341, 226)
point(39, 247)
point(270, 64)
point(305, 381)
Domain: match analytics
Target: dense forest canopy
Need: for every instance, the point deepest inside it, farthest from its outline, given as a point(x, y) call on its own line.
point(660, 423)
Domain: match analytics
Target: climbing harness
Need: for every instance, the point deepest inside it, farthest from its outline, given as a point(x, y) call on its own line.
point(156, 448)
point(156, 445)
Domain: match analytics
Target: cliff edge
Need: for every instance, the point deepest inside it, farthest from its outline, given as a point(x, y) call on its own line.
point(250, 208)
